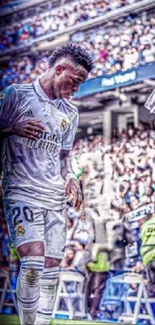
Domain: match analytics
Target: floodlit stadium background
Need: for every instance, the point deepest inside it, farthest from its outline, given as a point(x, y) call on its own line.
point(113, 156)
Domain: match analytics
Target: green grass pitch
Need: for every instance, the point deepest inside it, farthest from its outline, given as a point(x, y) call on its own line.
point(14, 320)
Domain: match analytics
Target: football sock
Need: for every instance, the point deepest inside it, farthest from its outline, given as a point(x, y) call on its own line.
point(48, 284)
point(28, 288)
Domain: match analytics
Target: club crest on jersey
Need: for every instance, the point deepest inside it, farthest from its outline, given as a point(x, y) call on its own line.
point(63, 125)
point(2, 95)
point(20, 231)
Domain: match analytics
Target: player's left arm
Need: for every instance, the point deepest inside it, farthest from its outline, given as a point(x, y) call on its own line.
point(73, 190)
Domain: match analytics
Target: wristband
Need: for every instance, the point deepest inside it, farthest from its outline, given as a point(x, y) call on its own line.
point(69, 176)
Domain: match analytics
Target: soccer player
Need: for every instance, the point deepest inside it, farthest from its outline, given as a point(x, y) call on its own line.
point(38, 125)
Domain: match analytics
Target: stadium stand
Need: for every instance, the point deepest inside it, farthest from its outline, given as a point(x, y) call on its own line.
point(122, 45)
point(132, 44)
point(59, 18)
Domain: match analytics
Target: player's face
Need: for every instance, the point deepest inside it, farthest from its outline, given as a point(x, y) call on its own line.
point(67, 80)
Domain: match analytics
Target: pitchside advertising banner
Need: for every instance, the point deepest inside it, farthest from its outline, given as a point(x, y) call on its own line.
point(116, 80)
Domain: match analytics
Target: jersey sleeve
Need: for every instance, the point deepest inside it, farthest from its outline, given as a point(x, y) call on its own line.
point(68, 139)
point(8, 107)
point(150, 103)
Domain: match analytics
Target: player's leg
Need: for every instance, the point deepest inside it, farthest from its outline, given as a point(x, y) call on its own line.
point(48, 286)
point(55, 239)
point(28, 282)
point(26, 226)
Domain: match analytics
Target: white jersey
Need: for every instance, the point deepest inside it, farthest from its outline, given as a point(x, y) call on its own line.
point(31, 168)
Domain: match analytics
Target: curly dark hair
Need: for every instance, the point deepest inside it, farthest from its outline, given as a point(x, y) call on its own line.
point(78, 53)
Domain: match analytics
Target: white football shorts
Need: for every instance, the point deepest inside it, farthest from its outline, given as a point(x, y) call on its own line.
point(29, 223)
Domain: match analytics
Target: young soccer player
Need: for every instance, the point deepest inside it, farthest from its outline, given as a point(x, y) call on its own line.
point(38, 126)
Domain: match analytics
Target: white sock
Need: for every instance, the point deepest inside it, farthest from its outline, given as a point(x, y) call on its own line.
point(48, 284)
point(28, 288)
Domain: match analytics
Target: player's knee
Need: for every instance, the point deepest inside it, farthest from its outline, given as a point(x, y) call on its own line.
point(31, 249)
point(52, 262)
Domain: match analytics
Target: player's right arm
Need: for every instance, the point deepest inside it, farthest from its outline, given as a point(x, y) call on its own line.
point(9, 112)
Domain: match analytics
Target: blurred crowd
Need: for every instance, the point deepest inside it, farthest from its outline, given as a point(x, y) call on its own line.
point(118, 184)
point(23, 69)
point(133, 159)
point(131, 155)
point(57, 20)
point(122, 45)
point(115, 48)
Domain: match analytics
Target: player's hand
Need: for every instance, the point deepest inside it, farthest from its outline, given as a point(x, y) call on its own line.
point(28, 129)
point(73, 193)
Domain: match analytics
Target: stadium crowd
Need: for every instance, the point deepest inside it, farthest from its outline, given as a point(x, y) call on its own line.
point(121, 46)
point(133, 168)
point(114, 48)
point(118, 180)
point(131, 181)
point(57, 20)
